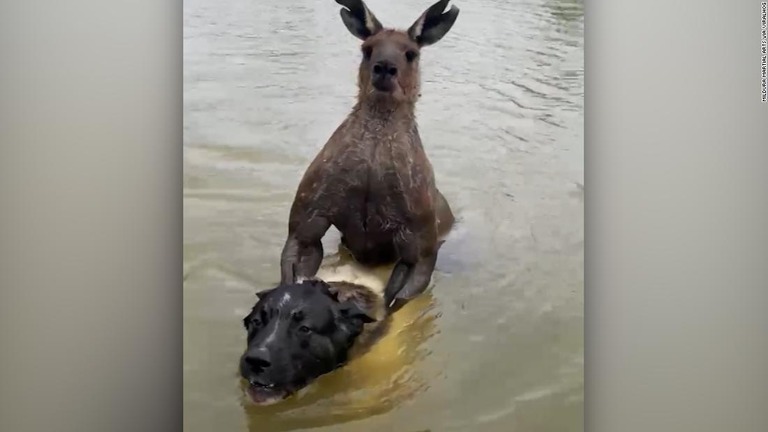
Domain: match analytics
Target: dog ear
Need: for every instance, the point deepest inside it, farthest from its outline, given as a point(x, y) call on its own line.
point(263, 293)
point(350, 309)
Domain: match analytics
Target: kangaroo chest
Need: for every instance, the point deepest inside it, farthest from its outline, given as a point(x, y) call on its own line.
point(381, 179)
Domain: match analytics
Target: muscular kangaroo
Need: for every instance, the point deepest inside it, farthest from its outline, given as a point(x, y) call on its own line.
point(372, 179)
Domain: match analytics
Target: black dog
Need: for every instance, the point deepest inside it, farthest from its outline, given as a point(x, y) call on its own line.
point(301, 331)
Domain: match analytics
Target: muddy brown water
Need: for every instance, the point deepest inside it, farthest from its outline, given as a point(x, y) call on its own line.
point(497, 345)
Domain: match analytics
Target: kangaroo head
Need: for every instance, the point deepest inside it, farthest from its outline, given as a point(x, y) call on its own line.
point(389, 68)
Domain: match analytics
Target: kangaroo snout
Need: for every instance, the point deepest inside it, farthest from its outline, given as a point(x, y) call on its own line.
point(384, 69)
point(383, 75)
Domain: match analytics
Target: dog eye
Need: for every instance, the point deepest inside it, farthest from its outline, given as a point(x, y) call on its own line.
point(253, 323)
point(250, 321)
point(304, 329)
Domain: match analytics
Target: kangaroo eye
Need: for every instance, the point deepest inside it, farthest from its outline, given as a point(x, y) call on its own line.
point(304, 329)
point(411, 55)
point(367, 51)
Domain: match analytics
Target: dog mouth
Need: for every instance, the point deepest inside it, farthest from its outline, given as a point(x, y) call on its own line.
point(264, 395)
point(269, 394)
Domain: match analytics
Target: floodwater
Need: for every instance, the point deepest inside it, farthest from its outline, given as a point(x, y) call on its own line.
point(497, 345)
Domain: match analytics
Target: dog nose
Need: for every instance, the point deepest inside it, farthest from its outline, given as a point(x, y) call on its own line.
point(257, 359)
point(384, 68)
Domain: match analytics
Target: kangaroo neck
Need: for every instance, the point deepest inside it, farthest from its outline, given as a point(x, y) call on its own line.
point(400, 115)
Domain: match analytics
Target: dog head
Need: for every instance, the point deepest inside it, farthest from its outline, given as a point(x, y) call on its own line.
point(296, 333)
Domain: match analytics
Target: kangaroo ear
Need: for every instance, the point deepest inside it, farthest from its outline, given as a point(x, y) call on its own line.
point(358, 19)
point(350, 309)
point(433, 24)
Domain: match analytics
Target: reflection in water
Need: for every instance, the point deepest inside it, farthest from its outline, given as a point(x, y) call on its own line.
point(498, 344)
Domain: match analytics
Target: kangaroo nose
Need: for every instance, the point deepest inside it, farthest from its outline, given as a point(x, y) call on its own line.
point(257, 359)
point(384, 68)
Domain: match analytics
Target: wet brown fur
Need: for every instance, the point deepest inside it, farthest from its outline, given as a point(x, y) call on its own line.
point(372, 180)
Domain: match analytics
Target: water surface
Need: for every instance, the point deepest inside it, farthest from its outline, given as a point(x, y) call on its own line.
point(498, 343)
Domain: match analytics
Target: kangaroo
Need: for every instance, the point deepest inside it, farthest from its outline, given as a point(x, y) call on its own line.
point(372, 180)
